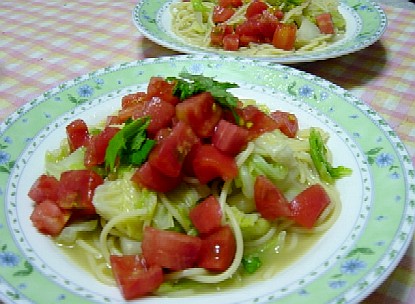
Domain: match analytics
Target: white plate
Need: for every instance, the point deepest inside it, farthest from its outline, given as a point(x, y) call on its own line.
point(365, 24)
point(349, 261)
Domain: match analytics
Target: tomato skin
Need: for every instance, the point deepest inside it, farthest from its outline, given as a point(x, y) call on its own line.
point(230, 3)
point(222, 14)
point(76, 189)
point(48, 218)
point(255, 8)
point(45, 188)
point(201, 113)
point(170, 249)
point(307, 206)
point(325, 23)
point(160, 112)
point(287, 122)
point(218, 32)
point(270, 202)
point(230, 138)
point(149, 177)
point(210, 163)
point(133, 99)
point(159, 87)
point(218, 250)
point(256, 121)
point(231, 42)
point(134, 277)
point(169, 154)
point(97, 146)
point(207, 215)
point(77, 134)
point(284, 36)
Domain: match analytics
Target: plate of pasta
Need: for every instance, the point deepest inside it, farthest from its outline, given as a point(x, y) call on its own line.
point(283, 31)
point(182, 179)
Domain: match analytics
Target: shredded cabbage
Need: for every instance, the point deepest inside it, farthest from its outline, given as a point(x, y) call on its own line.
point(120, 196)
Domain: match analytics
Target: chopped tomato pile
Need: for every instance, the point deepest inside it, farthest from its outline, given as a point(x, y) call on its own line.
point(194, 137)
point(262, 25)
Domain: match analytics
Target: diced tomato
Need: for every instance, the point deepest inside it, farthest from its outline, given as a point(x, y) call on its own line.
point(48, 218)
point(218, 32)
point(168, 155)
point(231, 42)
point(270, 202)
point(210, 163)
point(77, 133)
point(230, 138)
point(230, 3)
point(130, 111)
point(284, 36)
point(201, 113)
point(170, 249)
point(261, 26)
point(256, 121)
point(207, 215)
point(132, 99)
point(245, 40)
point(161, 114)
point(97, 147)
point(278, 13)
point(113, 120)
point(45, 188)
point(287, 122)
point(134, 277)
point(77, 188)
point(159, 87)
point(256, 7)
point(222, 14)
point(149, 177)
point(325, 23)
point(218, 250)
point(307, 206)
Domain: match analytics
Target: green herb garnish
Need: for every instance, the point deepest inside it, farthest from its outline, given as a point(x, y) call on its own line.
point(318, 152)
point(130, 145)
point(189, 85)
point(251, 264)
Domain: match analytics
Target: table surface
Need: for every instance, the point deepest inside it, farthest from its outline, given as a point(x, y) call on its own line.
point(49, 42)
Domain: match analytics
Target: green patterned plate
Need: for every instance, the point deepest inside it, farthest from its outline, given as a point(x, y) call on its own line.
point(348, 262)
point(365, 24)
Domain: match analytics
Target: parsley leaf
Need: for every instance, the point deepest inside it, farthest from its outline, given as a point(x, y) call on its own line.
point(189, 85)
point(130, 145)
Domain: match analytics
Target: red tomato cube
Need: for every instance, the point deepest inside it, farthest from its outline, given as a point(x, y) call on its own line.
point(307, 206)
point(207, 215)
point(134, 277)
point(218, 250)
point(170, 249)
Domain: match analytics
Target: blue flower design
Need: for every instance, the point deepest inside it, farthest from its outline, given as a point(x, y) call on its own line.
point(9, 259)
point(384, 160)
point(58, 99)
point(85, 91)
point(8, 140)
point(306, 91)
point(352, 266)
point(61, 297)
point(99, 81)
point(196, 68)
point(4, 157)
point(395, 175)
point(337, 284)
point(324, 95)
point(380, 218)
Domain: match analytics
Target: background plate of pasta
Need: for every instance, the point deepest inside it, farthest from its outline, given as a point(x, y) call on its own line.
point(283, 31)
point(285, 188)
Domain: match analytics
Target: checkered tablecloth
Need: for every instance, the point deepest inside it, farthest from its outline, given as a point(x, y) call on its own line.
point(44, 43)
